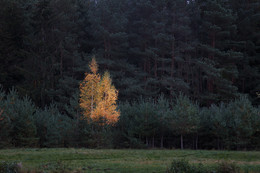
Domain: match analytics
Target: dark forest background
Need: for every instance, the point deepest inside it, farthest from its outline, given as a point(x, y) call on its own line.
point(187, 72)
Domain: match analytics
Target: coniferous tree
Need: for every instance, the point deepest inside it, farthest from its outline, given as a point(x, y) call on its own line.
point(15, 43)
point(185, 117)
point(217, 52)
point(55, 55)
point(5, 122)
point(17, 115)
point(248, 27)
point(109, 21)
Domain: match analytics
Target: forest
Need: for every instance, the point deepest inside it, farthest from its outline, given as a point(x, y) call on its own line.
point(175, 73)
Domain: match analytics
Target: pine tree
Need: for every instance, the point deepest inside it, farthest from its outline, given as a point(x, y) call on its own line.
point(14, 42)
point(217, 52)
point(109, 22)
point(185, 117)
point(248, 26)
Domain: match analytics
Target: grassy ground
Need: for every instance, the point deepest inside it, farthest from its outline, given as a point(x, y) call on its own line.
point(105, 160)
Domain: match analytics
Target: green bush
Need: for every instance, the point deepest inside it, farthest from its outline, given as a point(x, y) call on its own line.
point(226, 167)
point(183, 166)
point(17, 126)
point(9, 167)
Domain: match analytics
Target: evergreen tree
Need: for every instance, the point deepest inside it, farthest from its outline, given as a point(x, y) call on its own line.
point(18, 117)
point(54, 129)
point(55, 55)
point(14, 43)
point(5, 122)
point(248, 17)
point(182, 64)
point(185, 118)
point(163, 113)
point(109, 21)
point(217, 52)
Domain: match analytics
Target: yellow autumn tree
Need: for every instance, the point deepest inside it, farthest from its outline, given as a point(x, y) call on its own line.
point(106, 101)
point(88, 90)
point(98, 96)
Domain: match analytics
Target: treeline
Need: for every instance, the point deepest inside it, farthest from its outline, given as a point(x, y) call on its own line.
point(208, 50)
point(181, 123)
point(145, 123)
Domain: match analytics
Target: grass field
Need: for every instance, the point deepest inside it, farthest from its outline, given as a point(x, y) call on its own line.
point(106, 160)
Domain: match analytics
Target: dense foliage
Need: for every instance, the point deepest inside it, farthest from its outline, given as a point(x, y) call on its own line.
point(181, 165)
point(187, 72)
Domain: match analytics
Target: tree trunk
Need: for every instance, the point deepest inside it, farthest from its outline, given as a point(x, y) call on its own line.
point(218, 145)
point(155, 68)
point(162, 141)
point(181, 142)
point(197, 139)
point(153, 142)
point(92, 100)
point(173, 60)
point(61, 59)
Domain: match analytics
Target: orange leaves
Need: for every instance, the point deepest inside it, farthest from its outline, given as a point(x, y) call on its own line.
point(98, 96)
point(93, 66)
point(107, 96)
point(88, 92)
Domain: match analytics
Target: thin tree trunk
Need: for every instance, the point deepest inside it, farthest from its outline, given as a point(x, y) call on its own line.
point(155, 68)
point(218, 145)
point(162, 141)
point(61, 59)
point(92, 100)
point(197, 139)
point(173, 60)
point(181, 142)
point(163, 68)
point(153, 142)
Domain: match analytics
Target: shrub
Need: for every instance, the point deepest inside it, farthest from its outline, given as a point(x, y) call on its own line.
point(226, 167)
point(10, 167)
point(183, 166)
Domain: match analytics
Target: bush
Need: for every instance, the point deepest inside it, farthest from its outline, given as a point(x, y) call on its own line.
point(225, 167)
point(17, 126)
point(183, 166)
point(10, 167)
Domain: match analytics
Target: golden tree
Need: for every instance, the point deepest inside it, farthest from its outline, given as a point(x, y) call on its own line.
point(88, 90)
point(106, 101)
point(98, 96)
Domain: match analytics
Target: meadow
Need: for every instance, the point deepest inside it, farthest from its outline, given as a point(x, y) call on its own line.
point(123, 160)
